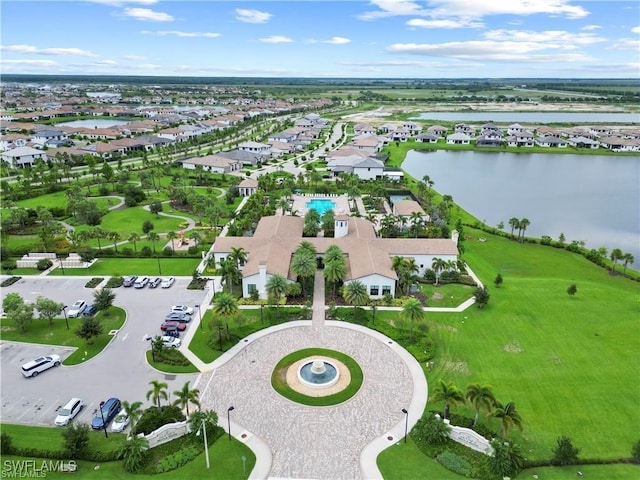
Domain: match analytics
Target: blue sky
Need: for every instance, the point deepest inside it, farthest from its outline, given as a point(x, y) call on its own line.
point(379, 38)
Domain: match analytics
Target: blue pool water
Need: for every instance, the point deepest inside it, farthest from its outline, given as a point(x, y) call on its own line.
point(320, 205)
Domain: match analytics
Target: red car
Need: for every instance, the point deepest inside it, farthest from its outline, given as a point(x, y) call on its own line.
point(173, 326)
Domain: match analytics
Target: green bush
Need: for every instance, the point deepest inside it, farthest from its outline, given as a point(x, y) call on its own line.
point(455, 463)
point(44, 264)
point(145, 251)
point(9, 281)
point(6, 441)
point(178, 459)
point(171, 356)
point(94, 282)
point(114, 282)
point(9, 265)
point(153, 418)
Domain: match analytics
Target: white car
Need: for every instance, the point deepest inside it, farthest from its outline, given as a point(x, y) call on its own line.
point(171, 342)
point(182, 309)
point(40, 364)
point(68, 412)
point(77, 309)
point(120, 422)
point(167, 282)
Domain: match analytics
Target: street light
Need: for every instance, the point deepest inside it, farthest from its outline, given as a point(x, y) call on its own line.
point(66, 320)
point(206, 445)
point(220, 337)
point(373, 309)
point(104, 425)
point(261, 312)
point(159, 269)
point(199, 315)
point(229, 420)
point(406, 423)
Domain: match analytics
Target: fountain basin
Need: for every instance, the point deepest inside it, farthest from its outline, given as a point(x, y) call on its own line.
point(318, 373)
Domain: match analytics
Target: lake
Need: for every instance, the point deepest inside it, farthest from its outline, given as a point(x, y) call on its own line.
point(594, 198)
point(93, 123)
point(532, 117)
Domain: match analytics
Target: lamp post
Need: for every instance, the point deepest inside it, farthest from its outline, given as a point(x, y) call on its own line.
point(104, 425)
point(199, 315)
point(220, 337)
point(261, 312)
point(229, 420)
point(66, 320)
point(373, 309)
point(406, 423)
point(206, 445)
point(159, 269)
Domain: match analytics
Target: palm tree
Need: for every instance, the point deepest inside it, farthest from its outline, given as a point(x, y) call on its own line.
point(524, 223)
point(304, 266)
point(158, 391)
point(332, 253)
point(133, 452)
point(509, 417)
point(355, 293)
point(616, 254)
point(514, 223)
point(481, 397)
point(307, 247)
point(239, 255)
point(627, 258)
point(133, 238)
point(335, 271)
point(225, 305)
point(172, 236)
point(133, 412)
point(417, 223)
point(98, 233)
point(413, 313)
point(185, 396)
point(283, 204)
point(195, 236)
point(229, 271)
point(115, 238)
point(276, 287)
point(449, 394)
point(154, 237)
point(438, 265)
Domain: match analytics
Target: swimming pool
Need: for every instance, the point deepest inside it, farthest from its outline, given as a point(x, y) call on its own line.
point(320, 205)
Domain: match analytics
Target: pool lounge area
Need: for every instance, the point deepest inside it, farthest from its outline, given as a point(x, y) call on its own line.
point(321, 203)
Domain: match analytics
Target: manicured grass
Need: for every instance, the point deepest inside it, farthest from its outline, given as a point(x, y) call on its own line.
point(167, 368)
point(199, 345)
point(447, 296)
point(23, 271)
point(104, 267)
point(279, 383)
point(557, 357)
point(39, 331)
point(50, 200)
point(50, 438)
point(225, 457)
point(590, 472)
point(403, 461)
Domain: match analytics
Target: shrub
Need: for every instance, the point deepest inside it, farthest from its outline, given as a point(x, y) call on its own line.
point(455, 463)
point(76, 439)
point(193, 249)
point(178, 459)
point(6, 447)
point(635, 452)
point(114, 282)
point(9, 281)
point(94, 282)
point(167, 251)
point(564, 453)
point(153, 418)
point(4, 254)
point(146, 251)
point(9, 265)
point(127, 251)
point(431, 429)
point(44, 264)
point(171, 356)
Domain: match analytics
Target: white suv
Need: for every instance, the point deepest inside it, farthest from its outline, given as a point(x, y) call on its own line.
point(76, 309)
point(182, 309)
point(69, 411)
point(170, 341)
point(40, 364)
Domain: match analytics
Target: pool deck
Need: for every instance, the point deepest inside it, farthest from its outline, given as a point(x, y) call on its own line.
point(341, 201)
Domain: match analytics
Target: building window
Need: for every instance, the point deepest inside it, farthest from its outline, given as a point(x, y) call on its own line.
point(386, 289)
point(374, 290)
point(251, 288)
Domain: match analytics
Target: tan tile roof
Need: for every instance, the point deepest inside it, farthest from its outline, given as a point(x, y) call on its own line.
point(407, 207)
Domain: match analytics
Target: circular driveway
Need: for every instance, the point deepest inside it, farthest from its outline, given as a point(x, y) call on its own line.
point(313, 442)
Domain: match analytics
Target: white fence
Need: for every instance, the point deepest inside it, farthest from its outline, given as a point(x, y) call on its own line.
point(166, 433)
point(469, 438)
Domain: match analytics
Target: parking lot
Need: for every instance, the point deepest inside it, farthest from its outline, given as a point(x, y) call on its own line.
point(119, 371)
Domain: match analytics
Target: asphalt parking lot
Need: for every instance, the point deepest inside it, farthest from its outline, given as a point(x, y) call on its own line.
point(119, 371)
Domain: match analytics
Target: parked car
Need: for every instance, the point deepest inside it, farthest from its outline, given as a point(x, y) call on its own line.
point(40, 364)
point(129, 281)
point(173, 326)
point(170, 341)
point(120, 422)
point(178, 317)
point(154, 282)
point(167, 282)
point(76, 309)
point(172, 333)
point(141, 282)
point(182, 309)
point(68, 412)
point(109, 410)
point(90, 311)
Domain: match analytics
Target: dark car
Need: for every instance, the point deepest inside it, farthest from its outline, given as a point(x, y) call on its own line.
point(166, 326)
point(110, 409)
point(129, 281)
point(90, 311)
point(154, 282)
point(172, 333)
point(177, 317)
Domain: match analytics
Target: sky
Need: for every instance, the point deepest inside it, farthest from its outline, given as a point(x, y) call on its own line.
point(346, 38)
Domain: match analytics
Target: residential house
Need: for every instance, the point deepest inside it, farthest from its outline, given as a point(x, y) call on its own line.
point(406, 208)
point(400, 135)
point(583, 142)
point(551, 141)
point(412, 127)
point(23, 156)
point(367, 143)
point(13, 140)
point(364, 129)
point(464, 128)
point(427, 138)
point(255, 147)
point(247, 187)
point(246, 157)
point(438, 130)
point(619, 144)
point(515, 128)
point(458, 138)
point(212, 163)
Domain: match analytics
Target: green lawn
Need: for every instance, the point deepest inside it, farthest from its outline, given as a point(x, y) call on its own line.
point(557, 357)
point(402, 461)
point(167, 368)
point(447, 296)
point(50, 438)
point(39, 331)
point(139, 266)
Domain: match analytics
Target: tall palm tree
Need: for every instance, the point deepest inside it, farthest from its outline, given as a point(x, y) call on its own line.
point(172, 236)
point(616, 254)
point(438, 266)
point(154, 237)
point(514, 223)
point(133, 238)
point(335, 271)
point(115, 238)
point(413, 313)
point(239, 255)
point(304, 266)
point(195, 236)
point(307, 247)
point(481, 397)
point(449, 394)
point(276, 287)
point(627, 258)
point(417, 223)
point(332, 253)
point(185, 395)
point(524, 223)
point(158, 391)
point(98, 233)
point(133, 411)
point(229, 271)
point(355, 293)
point(509, 417)
point(225, 305)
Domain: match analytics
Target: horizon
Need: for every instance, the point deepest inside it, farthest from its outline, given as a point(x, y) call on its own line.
point(377, 39)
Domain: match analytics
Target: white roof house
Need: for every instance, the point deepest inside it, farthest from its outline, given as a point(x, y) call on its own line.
point(23, 156)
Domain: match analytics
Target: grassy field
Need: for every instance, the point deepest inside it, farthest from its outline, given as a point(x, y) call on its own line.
point(166, 368)
point(176, 267)
point(557, 357)
point(39, 331)
point(414, 464)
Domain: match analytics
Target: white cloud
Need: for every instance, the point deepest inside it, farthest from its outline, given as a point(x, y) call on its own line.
point(337, 41)
point(252, 16)
point(410, 63)
point(555, 38)
point(134, 58)
point(444, 23)
point(47, 51)
point(588, 28)
point(392, 8)
point(147, 15)
point(177, 33)
point(38, 63)
point(626, 44)
point(276, 39)
point(119, 3)
point(635, 30)
point(106, 63)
